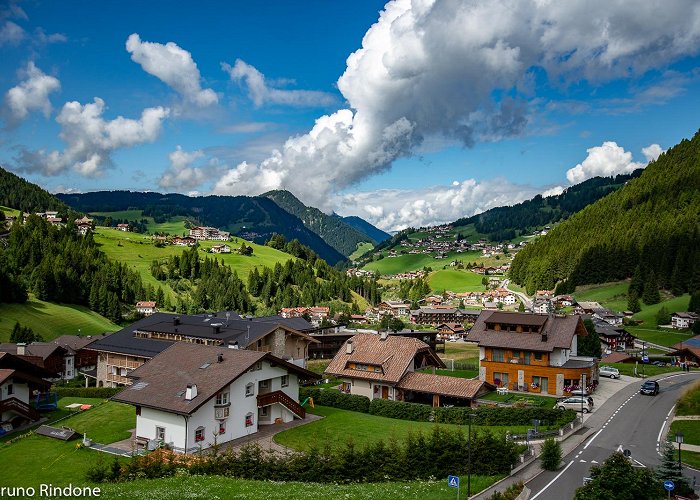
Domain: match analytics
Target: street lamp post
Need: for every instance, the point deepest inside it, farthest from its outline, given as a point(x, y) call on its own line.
point(644, 345)
point(469, 455)
point(679, 440)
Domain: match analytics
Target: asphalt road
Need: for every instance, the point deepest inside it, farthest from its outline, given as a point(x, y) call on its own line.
point(627, 421)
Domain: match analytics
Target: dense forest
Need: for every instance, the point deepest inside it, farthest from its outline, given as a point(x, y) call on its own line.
point(58, 265)
point(365, 227)
point(334, 230)
point(506, 223)
point(648, 230)
point(20, 194)
point(251, 217)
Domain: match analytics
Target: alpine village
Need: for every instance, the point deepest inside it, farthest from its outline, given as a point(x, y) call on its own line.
point(231, 344)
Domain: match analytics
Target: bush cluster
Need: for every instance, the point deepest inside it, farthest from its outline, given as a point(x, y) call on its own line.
point(335, 399)
point(87, 392)
point(418, 456)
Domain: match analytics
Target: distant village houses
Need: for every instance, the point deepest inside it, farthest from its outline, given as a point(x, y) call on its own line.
point(123, 227)
point(209, 233)
point(146, 307)
point(221, 249)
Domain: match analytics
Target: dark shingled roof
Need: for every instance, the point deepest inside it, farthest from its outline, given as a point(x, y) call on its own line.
point(161, 382)
point(235, 329)
point(559, 331)
point(39, 349)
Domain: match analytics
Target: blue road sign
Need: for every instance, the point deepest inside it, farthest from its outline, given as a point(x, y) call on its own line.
point(453, 481)
point(645, 359)
point(669, 485)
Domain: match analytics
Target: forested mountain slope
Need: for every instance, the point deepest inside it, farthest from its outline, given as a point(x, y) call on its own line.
point(506, 223)
point(20, 194)
point(253, 217)
point(366, 228)
point(334, 230)
point(650, 228)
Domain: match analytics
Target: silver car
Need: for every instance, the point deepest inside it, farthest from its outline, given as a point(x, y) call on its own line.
point(576, 403)
point(609, 371)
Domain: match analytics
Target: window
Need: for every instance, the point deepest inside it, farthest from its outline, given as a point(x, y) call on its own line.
point(199, 435)
point(10, 389)
point(264, 384)
point(257, 366)
point(285, 380)
point(160, 433)
point(535, 382)
point(138, 411)
point(249, 420)
point(498, 355)
point(222, 428)
point(502, 378)
point(538, 356)
point(264, 411)
point(222, 398)
point(249, 391)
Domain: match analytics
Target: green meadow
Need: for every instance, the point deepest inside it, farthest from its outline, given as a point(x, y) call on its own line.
point(52, 320)
point(455, 280)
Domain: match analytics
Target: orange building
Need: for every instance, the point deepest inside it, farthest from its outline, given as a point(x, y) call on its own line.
point(531, 352)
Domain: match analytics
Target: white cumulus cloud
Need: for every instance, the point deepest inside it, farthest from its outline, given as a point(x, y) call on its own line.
point(397, 209)
point(182, 175)
point(174, 66)
point(609, 159)
point(90, 139)
point(439, 69)
point(32, 94)
point(261, 92)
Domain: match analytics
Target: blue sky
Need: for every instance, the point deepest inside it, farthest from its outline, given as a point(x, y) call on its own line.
point(443, 110)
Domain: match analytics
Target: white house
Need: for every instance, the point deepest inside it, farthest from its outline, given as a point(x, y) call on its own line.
point(683, 320)
point(190, 396)
point(146, 307)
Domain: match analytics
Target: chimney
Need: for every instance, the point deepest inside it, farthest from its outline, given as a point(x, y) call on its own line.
point(233, 345)
point(349, 347)
point(383, 335)
point(216, 327)
point(220, 358)
point(176, 320)
point(21, 349)
point(191, 392)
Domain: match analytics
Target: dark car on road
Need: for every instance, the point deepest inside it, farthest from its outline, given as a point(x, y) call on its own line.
point(650, 387)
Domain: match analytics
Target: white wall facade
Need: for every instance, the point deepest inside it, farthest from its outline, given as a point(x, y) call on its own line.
point(239, 408)
point(20, 391)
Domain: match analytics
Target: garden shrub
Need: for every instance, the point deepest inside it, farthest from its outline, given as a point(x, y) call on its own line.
point(335, 399)
point(401, 410)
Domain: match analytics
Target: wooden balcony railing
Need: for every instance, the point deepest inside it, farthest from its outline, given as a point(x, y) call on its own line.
point(19, 406)
point(118, 379)
point(280, 397)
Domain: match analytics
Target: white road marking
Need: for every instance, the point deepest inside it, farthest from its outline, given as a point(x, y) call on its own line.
point(582, 461)
point(591, 440)
point(553, 480)
point(594, 461)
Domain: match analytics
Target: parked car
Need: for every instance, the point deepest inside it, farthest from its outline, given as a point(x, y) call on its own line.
point(650, 387)
point(609, 371)
point(576, 403)
point(579, 392)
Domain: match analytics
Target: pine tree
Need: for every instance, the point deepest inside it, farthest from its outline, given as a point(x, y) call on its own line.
point(669, 470)
point(694, 304)
point(651, 290)
point(663, 317)
point(633, 302)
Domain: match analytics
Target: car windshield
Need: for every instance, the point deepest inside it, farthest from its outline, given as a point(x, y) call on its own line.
point(649, 383)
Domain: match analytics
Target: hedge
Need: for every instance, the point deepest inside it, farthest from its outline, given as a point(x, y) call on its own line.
point(87, 392)
point(487, 416)
point(335, 399)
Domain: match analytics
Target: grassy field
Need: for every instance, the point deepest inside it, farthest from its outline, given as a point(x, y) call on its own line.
point(455, 280)
point(174, 226)
point(413, 262)
point(689, 428)
point(106, 423)
point(339, 426)
point(362, 248)
point(218, 487)
point(611, 295)
point(52, 320)
point(9, 211)
point(461, 352)
point(689, 403)
point(138, 252)
point(648, 370)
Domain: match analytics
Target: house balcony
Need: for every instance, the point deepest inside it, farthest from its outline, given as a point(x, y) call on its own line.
point(118, 379)
point(264, 348)
point(124, 363)
point(506, 361)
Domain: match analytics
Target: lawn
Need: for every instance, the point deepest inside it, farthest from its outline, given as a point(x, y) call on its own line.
point(52, 320)
point(9, 211)
point(412, 262)
point(689, 428)
point(642, 368)
point(665, 337)
point(218, 487)
point(105, 423)
point(362, 248)
point(455, 280)
point(174, 225)
point(610, 295)
point(340, 426)
point(460, 352)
